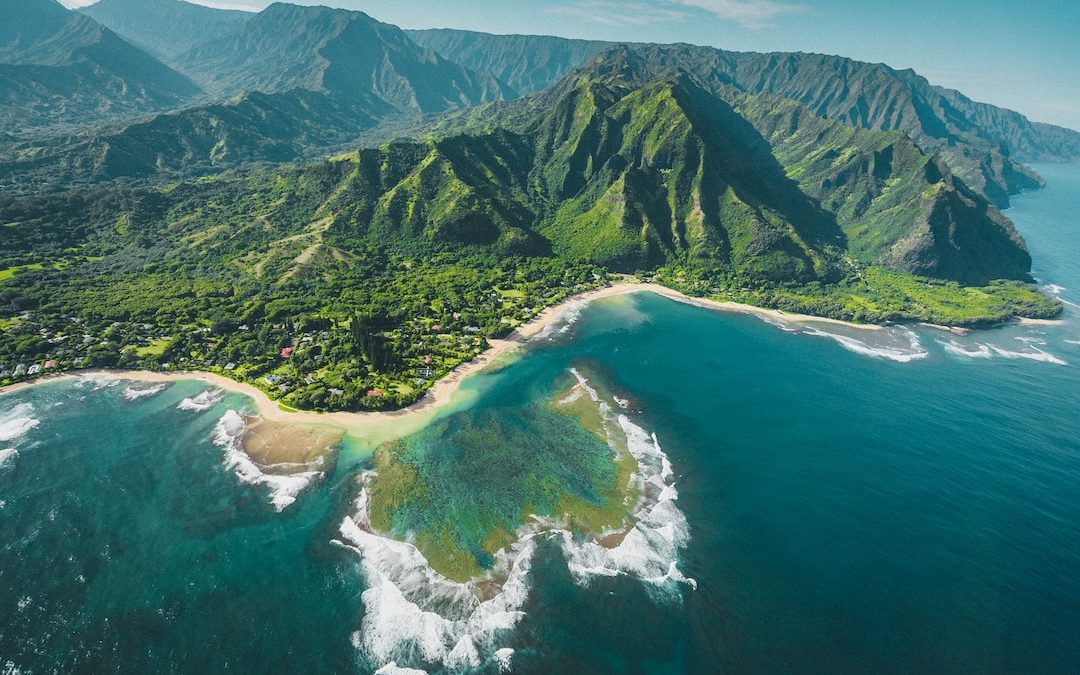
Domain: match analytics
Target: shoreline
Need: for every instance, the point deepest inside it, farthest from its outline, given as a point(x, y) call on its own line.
point(440, 395)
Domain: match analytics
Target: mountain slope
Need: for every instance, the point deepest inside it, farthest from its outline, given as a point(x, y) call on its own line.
point(58, 68)
point(527, 63)
point(345, 54)
point(312, 78)
point(140, 22)
point(983, 143)
point(630, 170)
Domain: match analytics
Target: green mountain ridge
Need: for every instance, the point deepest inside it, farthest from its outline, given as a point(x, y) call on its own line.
point(983, 143)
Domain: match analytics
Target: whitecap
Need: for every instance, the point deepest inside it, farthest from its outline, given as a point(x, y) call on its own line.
point(913, 352)
point(785, 326)
point(1031, 340)
point(979, 351)
point(203, 402)
point(564, 322)
point(503, 658)
point(394, 669)
point(98, 381)
point(1073, 342)
point(6, 455)
point(1054, 289)
point(284, 489)
point(414, 613)
point(17, 422)
point(136, 392)
point(1031, 354)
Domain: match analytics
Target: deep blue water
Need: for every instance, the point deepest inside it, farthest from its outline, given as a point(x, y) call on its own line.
point(847, 512)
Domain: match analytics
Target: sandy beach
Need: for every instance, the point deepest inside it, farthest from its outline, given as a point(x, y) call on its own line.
point(440, 394)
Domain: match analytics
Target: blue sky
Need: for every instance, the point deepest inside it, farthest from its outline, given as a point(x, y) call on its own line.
point(1021, 55)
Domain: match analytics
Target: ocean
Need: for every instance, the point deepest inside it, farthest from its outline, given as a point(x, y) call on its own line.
point(824, 499)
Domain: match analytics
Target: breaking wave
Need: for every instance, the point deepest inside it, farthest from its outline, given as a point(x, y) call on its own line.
point(203, 402)
point(912, 352)
point(5, 455)
point(414, 615)
point(979, 351)
point(1031, 353)
point(138, 391)
point(284, 488)
point(17, 422)
point(96, 381)
point(564, 322)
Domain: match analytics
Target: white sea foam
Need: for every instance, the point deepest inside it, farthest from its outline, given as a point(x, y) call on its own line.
point(978, 351)
point(6, 455)
point(914, 351)
point(98, 381)
point(203, 402)
point(136, 392)
point(564, 322)
point(1054, 289)
point(415, 615)
point(284, 489)
point(785, 326)
point(1073, 342)
point(503, 658)
point(17, 422)
point(394, 669)
point(1031, 354)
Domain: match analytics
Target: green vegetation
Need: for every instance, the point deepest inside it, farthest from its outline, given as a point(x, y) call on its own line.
point(9, 272)
point(879, 295)
point(357, 282)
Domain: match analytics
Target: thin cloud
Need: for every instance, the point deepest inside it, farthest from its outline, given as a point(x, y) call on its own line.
point(620, 14)
point(755, 14)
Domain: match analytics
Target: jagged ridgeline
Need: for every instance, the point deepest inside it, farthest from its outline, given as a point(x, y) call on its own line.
point(633, 167)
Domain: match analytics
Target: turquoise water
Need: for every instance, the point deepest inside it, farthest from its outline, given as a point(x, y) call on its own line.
point(901, 501)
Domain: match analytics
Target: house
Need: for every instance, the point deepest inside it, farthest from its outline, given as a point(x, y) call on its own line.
point(34, 370)
point(287, 353)
point(230, 366)
point(336, 392)
point(377, 393)
point(20, 370)
point(428, 360)
point(50, 364)
point(273, 379)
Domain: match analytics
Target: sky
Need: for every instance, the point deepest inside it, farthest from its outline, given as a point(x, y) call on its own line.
point(1020, 55)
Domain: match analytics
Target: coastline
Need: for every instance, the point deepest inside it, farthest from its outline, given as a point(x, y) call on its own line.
point(440, 395)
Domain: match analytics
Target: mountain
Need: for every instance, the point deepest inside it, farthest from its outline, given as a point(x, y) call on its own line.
point(140, 22)
point(310, 79)
point(345, 54)
point(527, 63)
point(634, 167)
point(983, 143)
point(61, 69)
point(251, 128)
point(636, 164)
